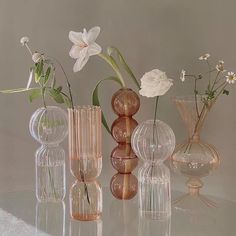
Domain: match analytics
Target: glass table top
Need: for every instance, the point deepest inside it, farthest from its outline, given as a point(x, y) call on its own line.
point(22, 215)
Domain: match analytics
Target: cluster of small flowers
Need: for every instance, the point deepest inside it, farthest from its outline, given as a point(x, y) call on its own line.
point(230, 77)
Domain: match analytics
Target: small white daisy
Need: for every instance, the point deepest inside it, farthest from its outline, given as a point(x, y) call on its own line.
point(204, 57)
point(231, 78)
point(182, 75)
point(220, 66)
point(24, 40)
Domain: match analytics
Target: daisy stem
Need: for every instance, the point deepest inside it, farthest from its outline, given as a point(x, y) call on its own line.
point(27, 46)
point(114, 67)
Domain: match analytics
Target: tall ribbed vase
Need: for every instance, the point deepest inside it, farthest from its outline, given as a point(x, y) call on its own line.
point(154, 142)
point(85, 155)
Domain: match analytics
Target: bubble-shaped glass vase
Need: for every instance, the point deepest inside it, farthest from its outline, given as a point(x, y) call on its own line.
point(49, 126)
point(154, 142)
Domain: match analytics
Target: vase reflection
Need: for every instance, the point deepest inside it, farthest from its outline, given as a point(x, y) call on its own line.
point(149, 227)
point(124, 186)
point(88, 228)
point(50, 218)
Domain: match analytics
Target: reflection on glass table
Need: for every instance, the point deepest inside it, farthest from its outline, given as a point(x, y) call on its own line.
point(21, 215)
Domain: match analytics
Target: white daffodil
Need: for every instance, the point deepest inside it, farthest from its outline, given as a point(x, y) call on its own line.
point(24, 40)
point(155, 83)
point(84, 46)
point(204, 57)
point(231, 78)
point(220, 66)
point(37, 57)
point(182, 75)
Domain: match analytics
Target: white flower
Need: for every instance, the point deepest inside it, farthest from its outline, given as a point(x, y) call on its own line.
point(155, 83)
point(204, 57)
point(182, 75)
point(231, 78)
point(24, 40)
point(220, 66)
point(84, 46)
point(37, 57)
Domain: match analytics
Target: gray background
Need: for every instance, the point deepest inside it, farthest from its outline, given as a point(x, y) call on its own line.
point(168, 35)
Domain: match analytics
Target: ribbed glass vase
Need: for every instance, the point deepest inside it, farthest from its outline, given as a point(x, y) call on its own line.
point(85, 137)
point(154, 142)
point(49, 126)
point(194, 158)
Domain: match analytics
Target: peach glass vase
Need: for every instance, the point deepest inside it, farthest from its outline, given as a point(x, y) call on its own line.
point(125, 103)
point(194, 158)
point(85, 155)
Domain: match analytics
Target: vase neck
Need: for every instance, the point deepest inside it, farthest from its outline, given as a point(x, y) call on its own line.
point(193, 113)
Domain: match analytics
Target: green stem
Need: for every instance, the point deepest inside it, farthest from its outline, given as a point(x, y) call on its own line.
point(154, 124)
point(195, 96)
point(114, 67)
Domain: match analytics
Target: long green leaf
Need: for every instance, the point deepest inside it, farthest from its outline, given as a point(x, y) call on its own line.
point(110, 50)
point(38, 71)
point(47, 74)
point(56, 95)
point(35, 94)
point(19, 90)
point(96, 101)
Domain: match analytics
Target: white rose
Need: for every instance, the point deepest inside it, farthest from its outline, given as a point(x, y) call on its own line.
point(37, 57)
point(155, 83)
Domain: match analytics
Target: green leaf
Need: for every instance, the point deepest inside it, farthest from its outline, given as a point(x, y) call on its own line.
point(38, 71)
point(226, 92)
point(47, 75)
point(110, 50)
point(96, 101)
point(35, 94)
point(56, 95)
point(19, 90)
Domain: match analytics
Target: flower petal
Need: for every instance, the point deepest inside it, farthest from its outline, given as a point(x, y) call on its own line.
point(94, 49)
point(75, 51)
point(81, 61)
point(75, 37)
point(93, 34)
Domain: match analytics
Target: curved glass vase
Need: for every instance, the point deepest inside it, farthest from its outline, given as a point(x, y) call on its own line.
point(125, 103)
point(49, 126)
point(154, 142)
point(194, 158)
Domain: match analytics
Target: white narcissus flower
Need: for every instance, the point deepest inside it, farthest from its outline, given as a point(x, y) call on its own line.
point(37, 57)
point(231, 78)
point(204, 57)
point(155, 83)
point(182, 75)
point(24, 40)
point(84, 46)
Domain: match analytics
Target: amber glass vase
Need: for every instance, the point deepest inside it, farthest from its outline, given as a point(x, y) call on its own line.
point(194, 158)
point(125, 103)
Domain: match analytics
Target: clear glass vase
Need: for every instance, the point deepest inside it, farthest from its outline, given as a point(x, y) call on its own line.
point(154, 142)
point(49, 126)
point(85, 147)
point(194, 158)
point(125, 103)
point(80, 207)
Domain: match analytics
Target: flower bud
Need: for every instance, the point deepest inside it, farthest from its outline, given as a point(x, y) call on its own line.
point(37, 57)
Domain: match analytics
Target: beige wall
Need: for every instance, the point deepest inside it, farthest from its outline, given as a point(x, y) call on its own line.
point(167, 34)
